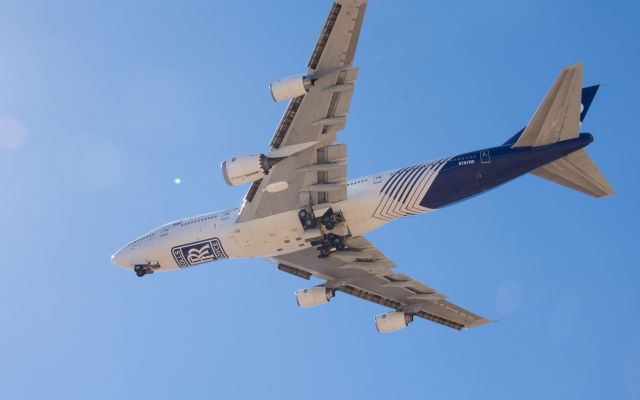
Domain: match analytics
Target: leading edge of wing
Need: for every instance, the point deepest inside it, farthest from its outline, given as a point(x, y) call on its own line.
point(364, 272)
point(315, 116)
point(328, 38)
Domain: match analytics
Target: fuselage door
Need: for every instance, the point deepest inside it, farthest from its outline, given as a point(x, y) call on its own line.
point(485, 157)
point(164, 231)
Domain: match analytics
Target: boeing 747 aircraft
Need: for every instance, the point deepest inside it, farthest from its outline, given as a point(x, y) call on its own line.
point(302, 213)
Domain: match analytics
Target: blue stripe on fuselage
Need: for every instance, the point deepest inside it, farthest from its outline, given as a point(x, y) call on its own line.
point(472, 173)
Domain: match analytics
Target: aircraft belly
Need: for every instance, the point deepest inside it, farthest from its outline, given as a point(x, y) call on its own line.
point(460, 180)
point(273, 235)
point(358, 210)
point(370, 205)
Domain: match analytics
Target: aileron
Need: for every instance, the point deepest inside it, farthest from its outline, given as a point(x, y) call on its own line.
point(373, 280)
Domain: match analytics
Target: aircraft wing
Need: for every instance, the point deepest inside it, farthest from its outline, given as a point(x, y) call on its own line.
point(316, 174)
point(364, 272)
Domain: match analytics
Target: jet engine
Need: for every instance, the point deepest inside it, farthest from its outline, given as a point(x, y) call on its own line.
point(392, 321)
point(242, 169)
point(313, 297)
point(290, 88)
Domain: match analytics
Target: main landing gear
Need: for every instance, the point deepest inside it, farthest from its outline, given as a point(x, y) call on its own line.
point(328, 220)
point(329, 242)
point(307, 219)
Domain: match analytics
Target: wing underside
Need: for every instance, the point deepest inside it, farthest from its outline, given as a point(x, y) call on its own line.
point(318, 174)
point(364, 272)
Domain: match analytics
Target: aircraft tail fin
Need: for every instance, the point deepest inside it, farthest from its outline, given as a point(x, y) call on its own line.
point(558, 117)
point(588, 95)
point(576, 171)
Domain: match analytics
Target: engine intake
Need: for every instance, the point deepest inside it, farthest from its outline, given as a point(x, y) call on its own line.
point(392, 321)
point(313, 297)
point(290, 88)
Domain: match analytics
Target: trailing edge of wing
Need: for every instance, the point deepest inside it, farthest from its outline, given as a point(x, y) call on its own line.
point(364, 272)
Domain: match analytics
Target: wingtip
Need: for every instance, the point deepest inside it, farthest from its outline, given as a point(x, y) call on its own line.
point(477, 323)
point(579, 65)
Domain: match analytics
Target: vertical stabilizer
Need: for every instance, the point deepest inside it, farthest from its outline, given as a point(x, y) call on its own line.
point(558, 117)
point(588, 94)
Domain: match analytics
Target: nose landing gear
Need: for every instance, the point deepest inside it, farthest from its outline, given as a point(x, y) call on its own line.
point(144, 269)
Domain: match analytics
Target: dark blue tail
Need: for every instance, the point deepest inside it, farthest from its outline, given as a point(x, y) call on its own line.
point(588, 94)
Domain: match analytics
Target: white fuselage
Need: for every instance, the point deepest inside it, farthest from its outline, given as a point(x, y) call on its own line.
point(217, 235)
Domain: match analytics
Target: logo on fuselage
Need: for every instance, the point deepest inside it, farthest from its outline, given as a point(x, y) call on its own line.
point(198, 252)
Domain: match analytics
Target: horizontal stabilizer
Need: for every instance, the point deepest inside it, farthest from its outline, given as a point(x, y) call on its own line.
point(558, 117)
point(578, 172)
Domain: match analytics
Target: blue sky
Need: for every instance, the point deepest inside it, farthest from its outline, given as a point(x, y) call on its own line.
point(104, 103)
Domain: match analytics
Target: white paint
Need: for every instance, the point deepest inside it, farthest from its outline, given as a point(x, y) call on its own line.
point(313, 297)
point(242, 169)
point(288, 88)
point(277, 187)
point(287, 151)
point(263, 237)
point(390, 322)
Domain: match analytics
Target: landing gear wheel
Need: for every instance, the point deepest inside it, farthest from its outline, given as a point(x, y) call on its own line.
point(335, 240)
point(325, 250)
point(329, 219)
point(307, 219)
point(140, 270)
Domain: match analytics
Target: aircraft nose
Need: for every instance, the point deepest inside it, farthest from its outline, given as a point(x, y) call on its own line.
point(120, 258)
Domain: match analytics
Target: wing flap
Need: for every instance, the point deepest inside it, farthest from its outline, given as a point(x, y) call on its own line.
point(314, 117)
point(365, 272)
point(338, 39)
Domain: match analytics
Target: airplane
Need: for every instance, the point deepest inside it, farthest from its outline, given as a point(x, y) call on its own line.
point(301, 212)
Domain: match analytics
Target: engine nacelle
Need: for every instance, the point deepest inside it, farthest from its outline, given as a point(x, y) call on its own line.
point(392, 321)
point(242, 169)
point(290, 88)
point(313, 297)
